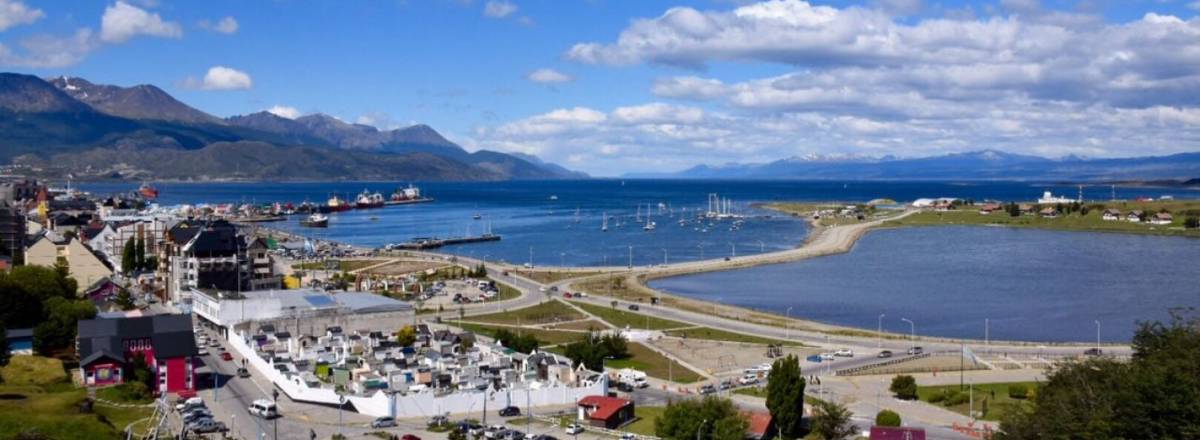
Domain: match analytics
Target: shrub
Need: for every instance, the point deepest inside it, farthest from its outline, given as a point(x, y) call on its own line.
point(904, 387)
point(1018, 391)
point(1191, 222)
point(939, 397)
point(957, 398)
point(887, 417)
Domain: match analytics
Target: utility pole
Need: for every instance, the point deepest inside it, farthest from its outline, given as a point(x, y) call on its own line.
point(912, 338)
point(879, 332)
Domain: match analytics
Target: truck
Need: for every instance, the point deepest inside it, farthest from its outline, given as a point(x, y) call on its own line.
point(632, 377)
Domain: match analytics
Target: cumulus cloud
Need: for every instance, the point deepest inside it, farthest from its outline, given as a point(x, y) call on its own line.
point(548, 76)
point(122, 21)
point(1024, 78)
point(227, 25)
point(220, 78)
point(49, 51)
point(284, 111)
point(16, 13)
point(499, 8)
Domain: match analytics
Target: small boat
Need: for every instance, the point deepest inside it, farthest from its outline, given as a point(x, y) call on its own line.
point(553, 197)
point(477, 216)
point(148, 191)
point(315, 221)
point(604, 223)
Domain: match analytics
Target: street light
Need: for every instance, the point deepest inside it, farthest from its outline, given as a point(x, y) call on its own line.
point(787, 323)
point(701, 428)
point(341, 404)
point(762, 248)
point(732, 249)
point(631, 256)
point(664, 256)
point(879, 332)
point(562, 258)
point(912, 338)
point(1097, 335)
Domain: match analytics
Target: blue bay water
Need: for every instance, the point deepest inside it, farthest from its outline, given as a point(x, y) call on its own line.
point(1033, 285)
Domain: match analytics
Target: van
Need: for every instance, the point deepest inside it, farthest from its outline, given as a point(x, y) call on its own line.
point(263, 408)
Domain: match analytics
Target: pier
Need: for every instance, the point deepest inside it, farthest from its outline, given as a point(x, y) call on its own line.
point(434, 243)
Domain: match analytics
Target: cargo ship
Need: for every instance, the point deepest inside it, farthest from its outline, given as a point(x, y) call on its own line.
point(368, 200)
point(411, 194)
point(147, 191)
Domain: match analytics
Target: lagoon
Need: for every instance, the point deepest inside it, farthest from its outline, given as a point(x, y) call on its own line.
point(1033, 285)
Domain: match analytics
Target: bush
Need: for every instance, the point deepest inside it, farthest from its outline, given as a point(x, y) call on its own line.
point(904, 387)
point(887, 417)
point(1191, 222)
point(1018, 391)
point(956, 398)
point(939, 397)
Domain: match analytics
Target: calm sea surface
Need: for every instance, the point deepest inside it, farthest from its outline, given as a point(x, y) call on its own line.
point(1032, 285)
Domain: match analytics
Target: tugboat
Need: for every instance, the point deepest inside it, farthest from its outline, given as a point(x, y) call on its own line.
point(315, 221)
point(148, 191)
point(335, 204)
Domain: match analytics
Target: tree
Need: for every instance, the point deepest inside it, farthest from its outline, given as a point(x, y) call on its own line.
point(593, 349)
point(24, 289)
point(124, 300)
point(4, 354)
point(151, 263)
point(140, 250)
point(1153, 395)
point(523, 343)
point(709, 418)
point(832, 421)
point(1191, 222)
point(785, 396)
point(58, 330)
point(129, 256)
point(406, 336)
point(904, 387)
point(887, 417)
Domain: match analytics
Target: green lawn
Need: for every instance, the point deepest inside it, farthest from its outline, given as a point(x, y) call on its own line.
point(644, 359)
point(507, 292)
point(644, 425)
point(722, 335)
point(544, 313)
point(37, 398)
point(546, 337)
point(622, 318)
point(996, 395)
point(761, 392)
point(1093, 221)
point(341, 265)
point(118, 394)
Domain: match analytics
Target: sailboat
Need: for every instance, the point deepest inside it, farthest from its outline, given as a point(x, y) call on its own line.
point(649, 223)
point(604, 223)
point(576, 214)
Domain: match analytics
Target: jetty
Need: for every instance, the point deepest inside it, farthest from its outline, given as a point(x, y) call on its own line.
point(434, 243)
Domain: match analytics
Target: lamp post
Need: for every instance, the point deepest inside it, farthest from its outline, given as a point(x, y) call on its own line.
point(341, 405)
point(631, 256)
point(912, 337)
point(275, 420)
point(1097, 335)
point(879, 332)
point(787, 323)
point(562, 259)
point(664, 256)
point(987, 336)
point(701, 428)
point(701, 246)
point(531, 257)
point(762, 247)
point(732, 249)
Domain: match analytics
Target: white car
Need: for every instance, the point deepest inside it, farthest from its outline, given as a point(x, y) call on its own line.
point(845, 352)
point(748, 379)
point(574, 429)
point(827, 356)
point(202, 352)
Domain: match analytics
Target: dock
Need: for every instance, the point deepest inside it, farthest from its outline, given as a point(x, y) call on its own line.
point(407, 202)
point(434, 243)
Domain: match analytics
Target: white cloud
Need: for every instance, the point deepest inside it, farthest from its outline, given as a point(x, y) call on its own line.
point(220, 78)
point(689, 87)
point(16, 13)
point(47, 51)
point(1194, 5)
point(549, 76)
point(284, 111)
point(227, 25)
point(499, 8)
point(122, 21)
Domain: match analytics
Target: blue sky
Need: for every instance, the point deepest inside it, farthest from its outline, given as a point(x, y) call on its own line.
point(626, 86)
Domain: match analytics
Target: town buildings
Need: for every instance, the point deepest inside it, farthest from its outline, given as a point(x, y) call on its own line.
point(108, 346)
point(53, 249)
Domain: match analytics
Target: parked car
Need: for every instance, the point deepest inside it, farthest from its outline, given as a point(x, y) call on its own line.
point(513, 434)
point(628, 436)
point(206, 426)
point(263, 408)
point(202, 351)
point(510, 411)
point(243, 373)
point(708, 389)
point(199, 414)
point(567, 295)
point(634, 307)
point(214, 343)
point(814, 358)
point(189, 404)
point(574, 429)
point(827, 356)
point(748, 379)
point(383, 422)
point(545, 437)
point(496, 434)
point(439, 420)
point(226, 356)
point(726, 384)
point(916, 350)
point(625, 387)
point(409, 437)
point(470, 428)
point(493, 431)
point(1093, 352)
point(885, 354)
point(845, 352)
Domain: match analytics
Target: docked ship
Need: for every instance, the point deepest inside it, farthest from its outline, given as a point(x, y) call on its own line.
point(336, 204)
point(315, 221)
point(368, 200)
point(147, 191)
point(411, 194)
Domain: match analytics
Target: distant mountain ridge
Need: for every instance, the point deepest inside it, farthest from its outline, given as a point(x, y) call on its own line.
point(976, 165)
point(51, 124)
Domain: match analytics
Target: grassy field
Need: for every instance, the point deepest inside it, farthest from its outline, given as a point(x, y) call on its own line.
point(549, 277)
point(761, 392)
point(644, 425)
point(507, 292)
point(622, 318)
point(1092, 221)
point(342, 265)
point(36, 397)
point(654, 365)
point(722, 335)
point(545, 313)
point(590, 324)
point(546, 337)
point(614, 286)
point(996, 395)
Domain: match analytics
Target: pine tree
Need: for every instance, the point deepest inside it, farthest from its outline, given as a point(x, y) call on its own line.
point(785, 396)
point(128, 257)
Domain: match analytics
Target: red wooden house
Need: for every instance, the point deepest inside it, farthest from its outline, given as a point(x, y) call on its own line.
point(107, 346)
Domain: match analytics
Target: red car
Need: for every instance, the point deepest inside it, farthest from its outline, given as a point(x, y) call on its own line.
point(410, 437)
point(226, 356)
point(566, 294)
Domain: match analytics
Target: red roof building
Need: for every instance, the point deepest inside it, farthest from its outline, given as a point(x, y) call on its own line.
point(759, 425)
point(605, 412)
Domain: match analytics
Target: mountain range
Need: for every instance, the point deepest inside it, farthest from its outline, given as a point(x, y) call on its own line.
point(977, 165)
point(64, 125)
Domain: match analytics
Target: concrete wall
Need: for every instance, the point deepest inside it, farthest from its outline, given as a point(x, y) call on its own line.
point(423, 404)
